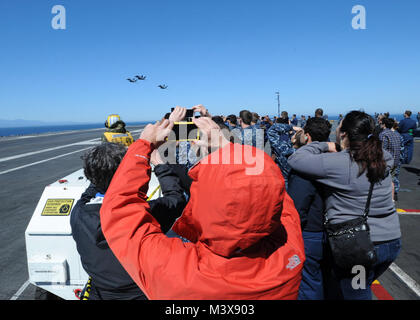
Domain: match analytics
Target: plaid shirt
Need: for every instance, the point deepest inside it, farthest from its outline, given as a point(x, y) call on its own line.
point(391, 142)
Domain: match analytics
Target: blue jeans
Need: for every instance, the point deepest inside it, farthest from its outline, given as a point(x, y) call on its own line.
point(340, 288)
point(312, 284)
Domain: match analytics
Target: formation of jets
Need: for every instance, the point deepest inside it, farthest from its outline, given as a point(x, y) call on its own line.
point(140, 78)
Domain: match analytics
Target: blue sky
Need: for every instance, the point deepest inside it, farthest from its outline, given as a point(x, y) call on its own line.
point(227, 55)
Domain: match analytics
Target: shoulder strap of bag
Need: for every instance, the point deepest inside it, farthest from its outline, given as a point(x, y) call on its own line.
point(367, 207)
point(365, 214)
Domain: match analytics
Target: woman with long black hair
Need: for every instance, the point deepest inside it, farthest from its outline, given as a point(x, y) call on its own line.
point(347, 177)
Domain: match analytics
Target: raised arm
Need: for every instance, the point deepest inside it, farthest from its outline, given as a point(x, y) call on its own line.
point(281, 148)
point(132, 233)
point(168, 208)
point(309, 159)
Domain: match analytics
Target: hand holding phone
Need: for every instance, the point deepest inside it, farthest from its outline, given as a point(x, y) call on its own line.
point(157, 133)
point(178, 114)
point(184, 129)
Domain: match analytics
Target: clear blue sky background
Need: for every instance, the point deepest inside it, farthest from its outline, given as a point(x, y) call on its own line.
point(225, 54)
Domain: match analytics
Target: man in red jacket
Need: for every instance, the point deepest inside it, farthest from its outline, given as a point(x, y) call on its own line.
point(244, 231)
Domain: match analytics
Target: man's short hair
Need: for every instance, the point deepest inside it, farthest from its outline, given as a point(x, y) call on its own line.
point(255, 117)
point(101, 162)
point(246, 116)
point(232, 118)
point(318, 128)
point(282, 120)
point(219, 121)
point(388, 123)
point(319, 112)
point(408, 113)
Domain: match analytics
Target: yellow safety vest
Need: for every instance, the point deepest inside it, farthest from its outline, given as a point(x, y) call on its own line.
point(123, 138)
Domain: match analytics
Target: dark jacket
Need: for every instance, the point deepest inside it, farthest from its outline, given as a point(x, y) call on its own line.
point(308, 200)
point(181, 171)
point(110, 281)
point(174, 183)
point(407, 125)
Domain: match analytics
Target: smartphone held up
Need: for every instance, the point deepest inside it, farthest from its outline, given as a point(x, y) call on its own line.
point(185, 130)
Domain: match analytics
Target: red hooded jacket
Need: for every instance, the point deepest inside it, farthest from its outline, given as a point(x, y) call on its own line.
point(245, 234)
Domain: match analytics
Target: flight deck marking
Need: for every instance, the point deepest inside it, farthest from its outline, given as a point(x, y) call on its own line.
point(20, 291)
point(41, 135)
point(42, 161)
point(46, 150)
point(380, 292)
point(413, 285)
point(405, 212)
point(91, 141)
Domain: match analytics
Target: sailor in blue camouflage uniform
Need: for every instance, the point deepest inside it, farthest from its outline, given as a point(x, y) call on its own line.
point(396, 178)
point(247, 133)
point(279, 136)
point(185, 154)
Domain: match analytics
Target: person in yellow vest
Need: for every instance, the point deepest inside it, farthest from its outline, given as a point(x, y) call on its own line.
point(116, 131)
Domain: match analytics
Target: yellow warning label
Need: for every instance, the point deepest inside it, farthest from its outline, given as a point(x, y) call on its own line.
point(57, 207)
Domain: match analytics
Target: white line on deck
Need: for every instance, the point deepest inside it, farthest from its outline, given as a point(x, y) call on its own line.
point(20, 291)
point(48, 149)
point(86, 142)
point(17, 138)
point(41, 135)
point(42, 161)
point(413, 285)
point(409, 213)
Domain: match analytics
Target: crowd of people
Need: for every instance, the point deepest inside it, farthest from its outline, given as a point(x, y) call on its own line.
point(221, 231)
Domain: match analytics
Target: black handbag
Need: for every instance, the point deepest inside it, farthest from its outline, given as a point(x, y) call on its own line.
point(350, 241)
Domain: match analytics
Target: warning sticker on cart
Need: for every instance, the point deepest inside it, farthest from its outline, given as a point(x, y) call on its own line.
point(57, 207)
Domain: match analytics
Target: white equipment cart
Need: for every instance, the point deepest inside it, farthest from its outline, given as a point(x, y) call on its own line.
point(53, 261)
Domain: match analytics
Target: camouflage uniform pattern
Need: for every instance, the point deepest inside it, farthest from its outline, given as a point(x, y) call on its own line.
point(185, 154)
point(251, 135)
point(279, 138)
point(396, 175)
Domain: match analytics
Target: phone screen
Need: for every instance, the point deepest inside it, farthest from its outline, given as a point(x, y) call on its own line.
point(184, 131)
